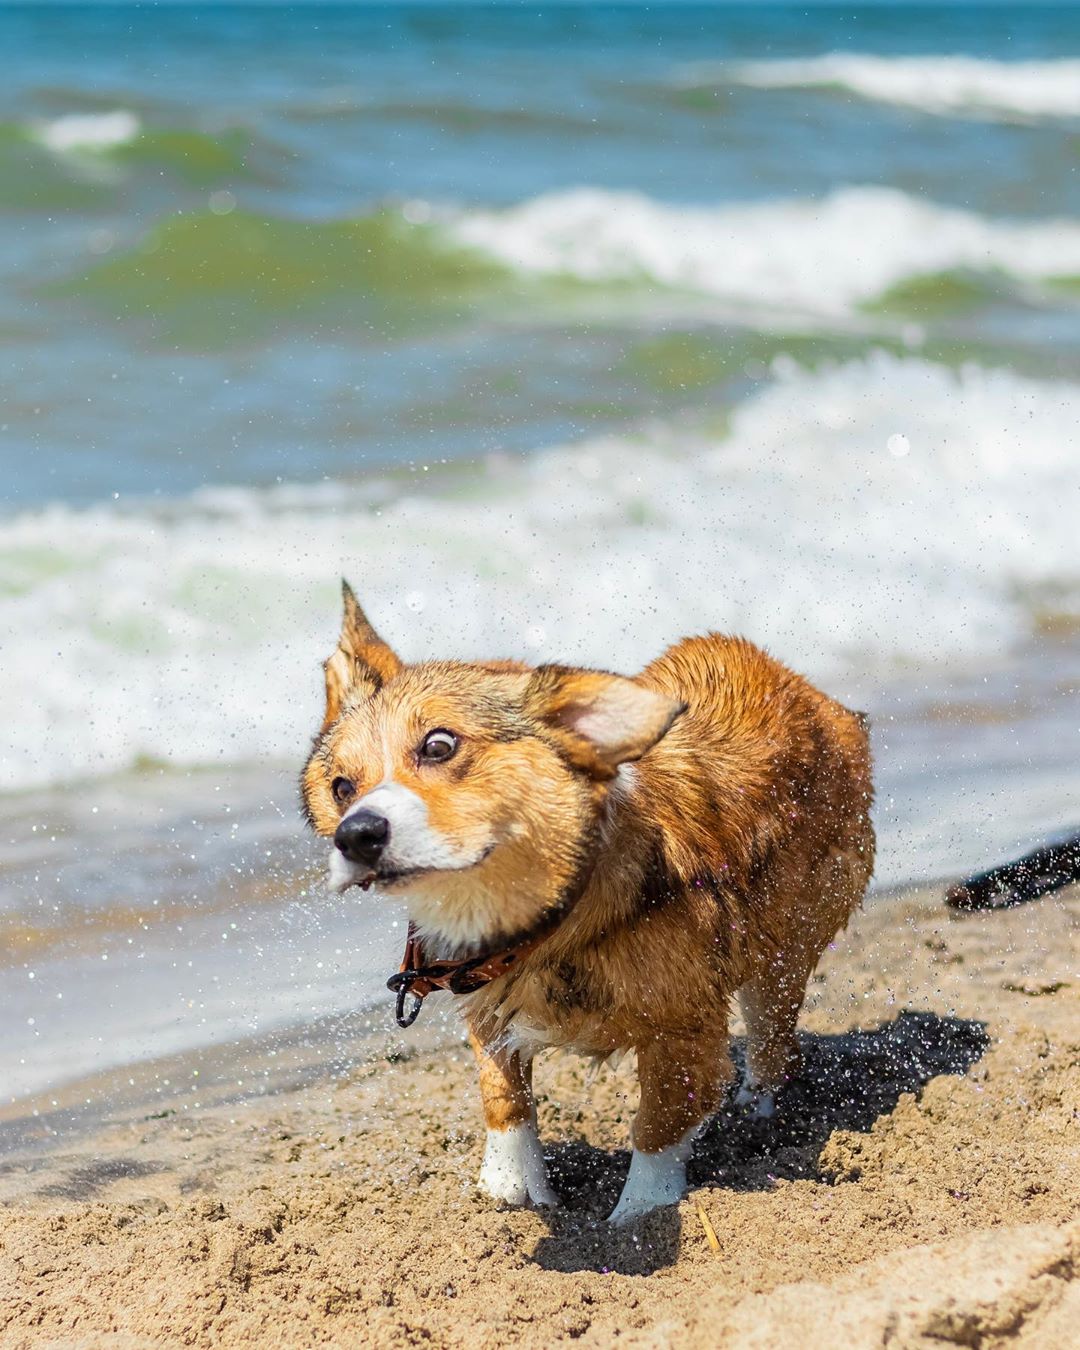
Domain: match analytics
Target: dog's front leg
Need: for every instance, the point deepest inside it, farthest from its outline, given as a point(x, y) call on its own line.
point(513, 1169)
point(681, 1083)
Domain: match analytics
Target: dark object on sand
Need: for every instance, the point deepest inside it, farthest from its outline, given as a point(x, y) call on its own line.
point(1037, 873)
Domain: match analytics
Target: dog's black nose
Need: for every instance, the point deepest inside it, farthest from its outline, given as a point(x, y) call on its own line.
point(362, 836)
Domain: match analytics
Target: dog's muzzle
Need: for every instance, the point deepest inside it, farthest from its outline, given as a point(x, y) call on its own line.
point(362, 837)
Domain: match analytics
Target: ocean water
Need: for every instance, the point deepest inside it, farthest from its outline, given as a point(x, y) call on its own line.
point(562, 333)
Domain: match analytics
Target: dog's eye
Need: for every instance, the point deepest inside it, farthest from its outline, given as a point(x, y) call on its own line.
point(438, 746)
point(343, 789)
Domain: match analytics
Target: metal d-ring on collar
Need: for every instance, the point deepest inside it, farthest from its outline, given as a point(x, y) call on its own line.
point(401, 982)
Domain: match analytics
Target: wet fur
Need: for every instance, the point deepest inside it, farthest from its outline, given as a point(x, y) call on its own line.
point(741, 838)
point(718, 850)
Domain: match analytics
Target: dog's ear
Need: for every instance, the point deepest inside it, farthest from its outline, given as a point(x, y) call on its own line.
point(601, 720)
point(362, 663)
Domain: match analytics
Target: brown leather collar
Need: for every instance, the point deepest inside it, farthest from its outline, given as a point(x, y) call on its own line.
point(470, 973)
point(463, 976)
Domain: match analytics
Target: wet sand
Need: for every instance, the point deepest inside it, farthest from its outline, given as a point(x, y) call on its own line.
point(919, 1187)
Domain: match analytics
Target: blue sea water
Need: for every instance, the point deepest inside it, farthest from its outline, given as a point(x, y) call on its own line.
point(331, 114)
point(563, 332)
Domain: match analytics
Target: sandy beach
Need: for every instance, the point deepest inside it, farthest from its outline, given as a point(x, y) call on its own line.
point(918, 1188)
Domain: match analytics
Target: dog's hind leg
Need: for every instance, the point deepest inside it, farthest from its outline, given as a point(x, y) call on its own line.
point(770, 1004)
point(772, 998)
point(513, 1169)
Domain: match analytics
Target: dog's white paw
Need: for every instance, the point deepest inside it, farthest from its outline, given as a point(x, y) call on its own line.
point(757, 1102)
point(513, 1169)
point(654, 1179)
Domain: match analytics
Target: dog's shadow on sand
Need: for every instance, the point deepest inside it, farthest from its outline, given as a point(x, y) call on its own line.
point(847, 1082)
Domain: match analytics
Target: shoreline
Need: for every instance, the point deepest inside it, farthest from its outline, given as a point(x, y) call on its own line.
point(280, 1059)
point(211, 1077)
point(922, 1174)
point(227, 930)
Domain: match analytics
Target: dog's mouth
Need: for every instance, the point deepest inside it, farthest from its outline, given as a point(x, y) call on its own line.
point(387, 878)
point(382, 879)
point(391, 878)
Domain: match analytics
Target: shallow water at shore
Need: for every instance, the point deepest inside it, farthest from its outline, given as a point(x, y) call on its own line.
point(162, 911)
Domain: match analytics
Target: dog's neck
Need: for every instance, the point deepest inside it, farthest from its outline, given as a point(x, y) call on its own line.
point(619, 871)
point(478, 919)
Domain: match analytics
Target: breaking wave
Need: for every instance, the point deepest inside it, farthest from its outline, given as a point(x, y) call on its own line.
point(876, 512)
point(205, 277)
point(963, 85)
point(800, 253)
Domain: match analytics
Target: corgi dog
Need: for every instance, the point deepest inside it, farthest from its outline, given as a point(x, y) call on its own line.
point(600, 862)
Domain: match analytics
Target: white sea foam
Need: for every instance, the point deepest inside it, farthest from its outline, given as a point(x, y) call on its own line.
point(822, 257)
point(964, 85)
point(88, 131)
point(193, 632)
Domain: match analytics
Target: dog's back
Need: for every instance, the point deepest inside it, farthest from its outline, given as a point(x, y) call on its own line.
point(761, 767)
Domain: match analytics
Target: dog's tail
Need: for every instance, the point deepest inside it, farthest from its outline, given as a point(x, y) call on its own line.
point(1037, 873)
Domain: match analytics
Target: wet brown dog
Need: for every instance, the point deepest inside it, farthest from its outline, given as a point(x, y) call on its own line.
point(639, 850)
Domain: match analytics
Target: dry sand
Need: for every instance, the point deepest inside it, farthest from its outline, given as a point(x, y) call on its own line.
point(920, 1188)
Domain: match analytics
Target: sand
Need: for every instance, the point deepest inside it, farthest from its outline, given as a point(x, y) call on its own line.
point(919, 1188)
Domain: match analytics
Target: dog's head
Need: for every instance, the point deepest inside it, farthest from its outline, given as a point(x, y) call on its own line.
point(475, 792)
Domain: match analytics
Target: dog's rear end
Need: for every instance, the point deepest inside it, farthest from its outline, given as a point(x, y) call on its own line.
point(787, 774)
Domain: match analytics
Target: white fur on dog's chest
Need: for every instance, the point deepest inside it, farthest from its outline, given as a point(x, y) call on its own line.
point(527, 1039)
